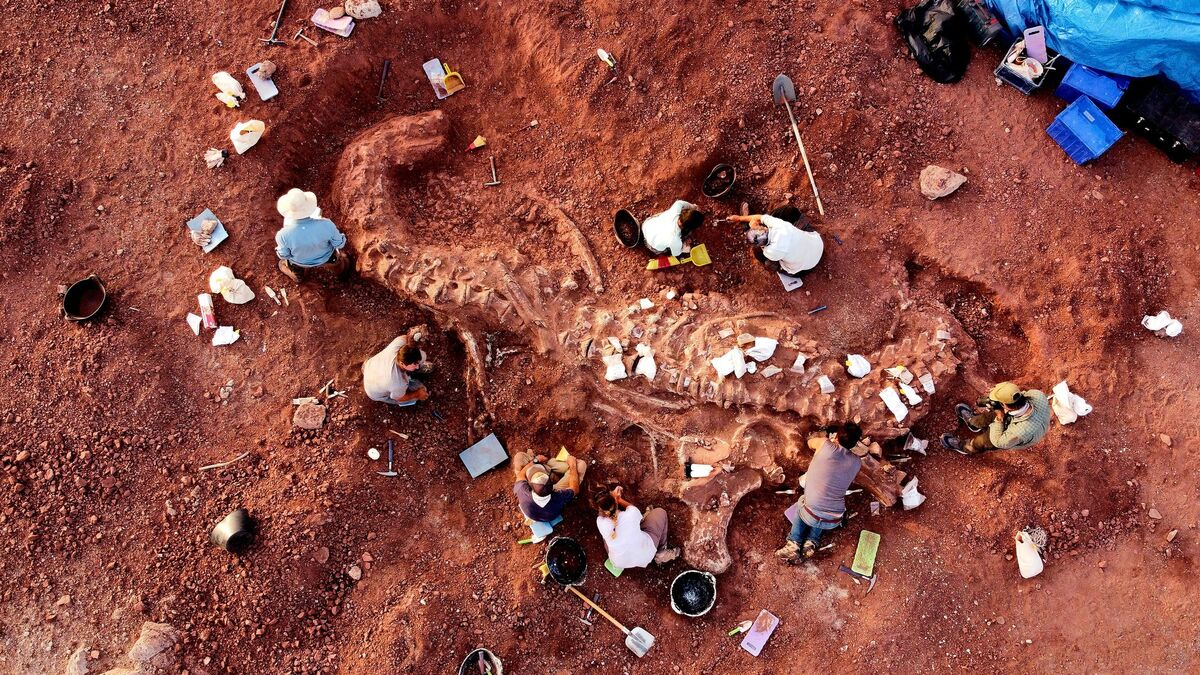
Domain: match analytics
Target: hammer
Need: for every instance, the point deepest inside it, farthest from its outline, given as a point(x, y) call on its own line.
point(495, 180)
point(273, 40)
point(859, 578)
point(390, 472)
point(300, 34)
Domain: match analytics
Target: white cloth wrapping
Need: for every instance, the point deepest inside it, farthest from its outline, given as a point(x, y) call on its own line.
point(892, 400)
point(1066, 405)
point(1163, 321)
point(646, 366)
point(763, 348)
point(731, 362)
point(615, 367)
point(858, 365)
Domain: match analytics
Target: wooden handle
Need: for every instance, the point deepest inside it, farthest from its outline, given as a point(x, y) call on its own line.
point(804, 155)
point(597, 608)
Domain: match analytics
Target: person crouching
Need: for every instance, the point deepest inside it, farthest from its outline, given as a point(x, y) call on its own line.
point(836, 460)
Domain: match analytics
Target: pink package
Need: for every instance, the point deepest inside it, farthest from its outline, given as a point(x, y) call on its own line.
point(760, 631)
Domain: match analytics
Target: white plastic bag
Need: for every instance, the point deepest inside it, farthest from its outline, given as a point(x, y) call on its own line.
point(1066, 405)
point(615, 367)
point(732, 362)
point(892, 400)
point(246, 134)
point(763, 348)
point(1028, 560)
point(858, 365)
point(1163, 322)
point(910, 497)
point(646, 366)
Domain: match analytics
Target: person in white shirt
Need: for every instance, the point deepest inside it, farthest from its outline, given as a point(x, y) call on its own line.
point(782, 246)
point(632, 540)
point(664, 233)
point(388, 376)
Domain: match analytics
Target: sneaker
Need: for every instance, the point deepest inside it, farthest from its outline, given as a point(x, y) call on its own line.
point(952, 442)
point(288, 271)
point(965, 413)
point(789, 553)
point(810, 549)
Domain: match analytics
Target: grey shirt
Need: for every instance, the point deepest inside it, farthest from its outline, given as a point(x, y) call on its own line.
point(830, 474)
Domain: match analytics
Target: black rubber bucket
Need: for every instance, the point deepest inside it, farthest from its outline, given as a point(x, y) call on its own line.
point(693, 593)
point(720, 181)
point(234, 533)
point(84, 299)
point(479, 661)
point(627, 229)
point(566, 560)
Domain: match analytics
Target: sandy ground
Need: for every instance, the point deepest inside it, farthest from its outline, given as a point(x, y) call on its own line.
point(1048, 265)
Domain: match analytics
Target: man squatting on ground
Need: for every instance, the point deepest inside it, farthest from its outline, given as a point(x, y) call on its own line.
point(544, 487)
point(1006, 419)
point(783, 241)
point(307, 240)
point(835, 463)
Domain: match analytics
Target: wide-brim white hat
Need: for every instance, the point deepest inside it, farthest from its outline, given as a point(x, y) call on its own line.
point(296, 204)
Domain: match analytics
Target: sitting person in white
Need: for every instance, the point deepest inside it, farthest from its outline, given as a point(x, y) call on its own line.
point(664, 233)
point(782, 246)
point(632, 540)
point(388, 375)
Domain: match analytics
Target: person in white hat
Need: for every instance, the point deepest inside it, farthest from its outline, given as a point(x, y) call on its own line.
point(779, 244)
point(306, 239)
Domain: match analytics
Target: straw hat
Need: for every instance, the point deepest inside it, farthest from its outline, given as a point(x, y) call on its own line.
point(296, 204)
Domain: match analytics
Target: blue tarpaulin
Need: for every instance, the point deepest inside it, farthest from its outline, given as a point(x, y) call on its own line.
point(1137, 38)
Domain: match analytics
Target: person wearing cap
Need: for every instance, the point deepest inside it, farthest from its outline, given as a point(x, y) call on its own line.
point(837, 457)
point(1006, 419)
point(544, 487)
point(631, 539)
point(389, 376)
point(779, 244)
point(307, 240)
point(664, 233)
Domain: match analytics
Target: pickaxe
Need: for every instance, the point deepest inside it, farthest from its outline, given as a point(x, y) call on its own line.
point(274, 40)
point(859, 578)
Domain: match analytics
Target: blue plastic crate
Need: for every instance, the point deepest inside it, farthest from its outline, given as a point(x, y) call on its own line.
point(1105, 89)
point(1083, 131)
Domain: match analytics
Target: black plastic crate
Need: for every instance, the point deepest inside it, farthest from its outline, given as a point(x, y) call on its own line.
point(1158, 110)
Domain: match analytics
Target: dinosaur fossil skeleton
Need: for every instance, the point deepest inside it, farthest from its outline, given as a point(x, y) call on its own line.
point(476, 291)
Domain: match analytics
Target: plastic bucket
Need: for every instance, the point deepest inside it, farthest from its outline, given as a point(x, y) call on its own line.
point(627, 228)
point(566, 560)
point(84, 299)
point(720, 181)
point(470, 665)
point(234, 533)
point(693, 593)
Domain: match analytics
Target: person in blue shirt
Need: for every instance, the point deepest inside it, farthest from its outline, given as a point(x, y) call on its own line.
point(307, 240)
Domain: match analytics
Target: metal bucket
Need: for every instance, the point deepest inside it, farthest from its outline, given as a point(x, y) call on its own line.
point(234, 533)
point(720, 181)
point(627, 228)
point(693, 593)
point(84, 299)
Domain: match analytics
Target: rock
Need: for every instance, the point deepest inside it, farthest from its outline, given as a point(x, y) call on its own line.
point(1166, 440)
point(1102, 564)
point(1153, 513)
point(309, 416)
point(937, 182)
point(337, 12)
point(63, 601)
point(77, 663)
point(267, 68)
point(363, 9)
point(154, 644)
point(1171, 535)
point(321, 555)
point(355, 572)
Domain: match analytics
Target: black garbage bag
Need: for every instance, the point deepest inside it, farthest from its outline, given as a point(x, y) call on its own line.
point(937, 39)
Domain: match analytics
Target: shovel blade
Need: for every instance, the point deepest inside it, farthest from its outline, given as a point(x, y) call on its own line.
point(782, 88)
point(639, 641)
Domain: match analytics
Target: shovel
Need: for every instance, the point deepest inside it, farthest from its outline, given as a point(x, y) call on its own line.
point(637, 639)
point(785, 92)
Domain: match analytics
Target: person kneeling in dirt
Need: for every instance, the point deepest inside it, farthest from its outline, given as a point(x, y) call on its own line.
point(1006, 419)
point(307, 240)
point(836, 460)
point(388, 376)
point(544, 487)
point(664, 233)
point(780, 244)
point(631, 539)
